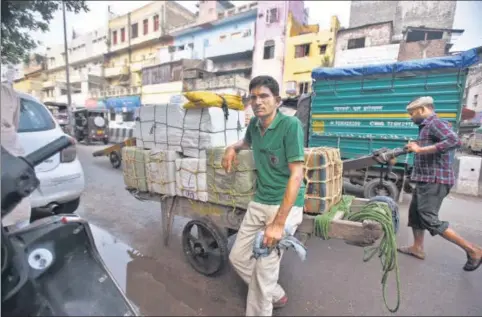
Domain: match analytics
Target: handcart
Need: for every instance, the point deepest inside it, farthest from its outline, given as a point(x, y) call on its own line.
point(114, 152)
point(206, 249)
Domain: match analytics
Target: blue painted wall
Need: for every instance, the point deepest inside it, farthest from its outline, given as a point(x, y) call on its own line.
point(211, 36)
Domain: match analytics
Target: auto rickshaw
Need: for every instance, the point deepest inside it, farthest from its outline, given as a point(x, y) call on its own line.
point(91, 125)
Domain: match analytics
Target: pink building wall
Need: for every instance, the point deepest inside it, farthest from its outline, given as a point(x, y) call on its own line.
point(276, 32)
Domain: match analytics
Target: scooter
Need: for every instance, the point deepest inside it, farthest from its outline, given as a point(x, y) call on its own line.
point(52, 267)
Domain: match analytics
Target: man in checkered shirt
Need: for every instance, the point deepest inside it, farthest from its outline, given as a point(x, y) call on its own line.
point(434, 177)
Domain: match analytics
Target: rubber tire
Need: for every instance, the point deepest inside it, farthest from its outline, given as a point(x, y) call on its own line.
point(370, 186)
point(115, 159)
point(221, 240)
point(106, 141)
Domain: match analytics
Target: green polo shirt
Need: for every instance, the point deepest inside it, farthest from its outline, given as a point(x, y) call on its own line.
point(281, 144)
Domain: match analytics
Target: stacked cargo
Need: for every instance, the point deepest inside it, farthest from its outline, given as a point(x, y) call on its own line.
point(235, 189)
point(180, 147)
point(323, 179)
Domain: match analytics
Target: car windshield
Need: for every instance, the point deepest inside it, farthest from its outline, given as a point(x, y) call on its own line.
point(34, 117)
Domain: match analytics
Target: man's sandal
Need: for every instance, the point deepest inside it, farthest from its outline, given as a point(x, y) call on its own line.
point(281, 302)
point(472, 264)
point(409, 251)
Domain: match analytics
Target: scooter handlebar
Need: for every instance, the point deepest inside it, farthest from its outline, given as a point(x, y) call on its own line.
point(40, 155)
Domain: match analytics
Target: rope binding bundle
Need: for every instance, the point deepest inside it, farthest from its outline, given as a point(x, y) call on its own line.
point(383, 211)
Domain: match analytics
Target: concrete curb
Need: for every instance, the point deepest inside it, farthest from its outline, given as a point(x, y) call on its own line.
point(468, 173)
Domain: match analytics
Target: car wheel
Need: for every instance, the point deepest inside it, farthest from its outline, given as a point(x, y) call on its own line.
point(68, 207)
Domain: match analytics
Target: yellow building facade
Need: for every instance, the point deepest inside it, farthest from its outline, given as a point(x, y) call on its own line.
point(31, 82)
point(307, 47)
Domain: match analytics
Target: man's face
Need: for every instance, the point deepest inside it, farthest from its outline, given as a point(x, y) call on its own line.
point(263, 102)
point(418, 115)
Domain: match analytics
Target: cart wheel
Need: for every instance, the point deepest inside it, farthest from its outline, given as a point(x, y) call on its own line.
point(115, 159)
point(207, 249)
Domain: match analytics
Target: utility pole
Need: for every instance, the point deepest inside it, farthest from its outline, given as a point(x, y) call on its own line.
point(67, 66)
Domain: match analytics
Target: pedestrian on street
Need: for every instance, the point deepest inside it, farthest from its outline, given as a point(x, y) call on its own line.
point(434, 177)
point(277, 144)
point(10, 103)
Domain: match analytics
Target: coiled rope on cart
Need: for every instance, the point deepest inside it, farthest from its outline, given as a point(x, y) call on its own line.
point(386, 214)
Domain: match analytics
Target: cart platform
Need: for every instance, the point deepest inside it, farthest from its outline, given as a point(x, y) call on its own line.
point(114, 152)
point(207, 252)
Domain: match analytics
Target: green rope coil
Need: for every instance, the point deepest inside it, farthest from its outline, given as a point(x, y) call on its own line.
point(323, 221)
point(387, 249)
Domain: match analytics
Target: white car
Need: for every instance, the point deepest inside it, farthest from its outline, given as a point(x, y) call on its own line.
point(61, 176)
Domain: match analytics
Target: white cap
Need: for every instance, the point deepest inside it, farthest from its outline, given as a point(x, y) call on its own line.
point(420, 102)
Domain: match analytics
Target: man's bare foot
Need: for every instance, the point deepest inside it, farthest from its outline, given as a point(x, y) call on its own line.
point(419, 254)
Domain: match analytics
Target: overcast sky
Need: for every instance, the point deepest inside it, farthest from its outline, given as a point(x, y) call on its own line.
point(467, 17)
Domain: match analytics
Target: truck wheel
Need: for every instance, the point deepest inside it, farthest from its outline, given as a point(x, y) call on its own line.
point(385, 188)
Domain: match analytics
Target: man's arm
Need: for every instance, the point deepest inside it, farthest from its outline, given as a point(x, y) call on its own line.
point(295, 154)
point(245, 143)
point(448, 139)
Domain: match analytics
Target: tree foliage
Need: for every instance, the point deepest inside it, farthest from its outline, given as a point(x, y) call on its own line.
point(21, 18)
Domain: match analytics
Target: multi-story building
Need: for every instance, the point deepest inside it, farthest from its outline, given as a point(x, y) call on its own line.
point(307, 47)
point(473, 89)
point(270, 36)
point(134, 42)
point(365, 45)
point(33, 76)
point(403, 14)
point(222, 33)
point(384, 32)
point(86, 72)
point(11, 73)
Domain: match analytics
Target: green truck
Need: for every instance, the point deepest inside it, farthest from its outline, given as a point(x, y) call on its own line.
point(362, 109)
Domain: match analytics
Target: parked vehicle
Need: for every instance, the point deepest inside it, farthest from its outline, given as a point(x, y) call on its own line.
point(61, 113)
point(474, 142)
point(91, 125)
point(61, 176)
point(51, 267)
point(360, 109)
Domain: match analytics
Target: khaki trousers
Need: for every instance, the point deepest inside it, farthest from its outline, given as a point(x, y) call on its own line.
point(262, 274)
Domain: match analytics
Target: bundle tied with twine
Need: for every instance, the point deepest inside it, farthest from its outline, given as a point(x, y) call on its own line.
point(161, 172)
point(191, 179)
point(134, 168)
point(234, 189)
point(323, 175)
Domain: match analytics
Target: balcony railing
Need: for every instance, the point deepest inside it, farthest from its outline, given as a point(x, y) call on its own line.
point(115, 71)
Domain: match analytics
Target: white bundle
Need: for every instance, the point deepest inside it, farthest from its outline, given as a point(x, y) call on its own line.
point(207, 128)
point(161, 172)
point(191, 180)
point(160, 126)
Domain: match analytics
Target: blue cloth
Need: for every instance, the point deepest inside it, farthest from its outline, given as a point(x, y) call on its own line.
point(288, 241)
point(393, 206)
point(463, 60)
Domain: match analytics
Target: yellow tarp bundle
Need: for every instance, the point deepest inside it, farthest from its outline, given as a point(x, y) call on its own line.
point(206, 99)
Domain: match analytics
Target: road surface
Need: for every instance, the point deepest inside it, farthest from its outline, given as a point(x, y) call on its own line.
point(332, 281)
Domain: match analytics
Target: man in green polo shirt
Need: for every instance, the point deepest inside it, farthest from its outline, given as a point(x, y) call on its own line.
point(277, 144)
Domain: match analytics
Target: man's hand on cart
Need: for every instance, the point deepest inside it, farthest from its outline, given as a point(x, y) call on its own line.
point(229, 159)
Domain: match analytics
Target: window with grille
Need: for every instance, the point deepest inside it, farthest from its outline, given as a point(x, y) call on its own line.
point(145, 25)
point(303, 88)
point(322, 49)
point(123, 35)
point(302, 50)
point(156, 22)
point(135, 30)
point(269, 49)
point(272, 15)
point(356, 43)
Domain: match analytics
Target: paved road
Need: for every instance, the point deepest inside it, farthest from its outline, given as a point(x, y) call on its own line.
point(332, 281)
